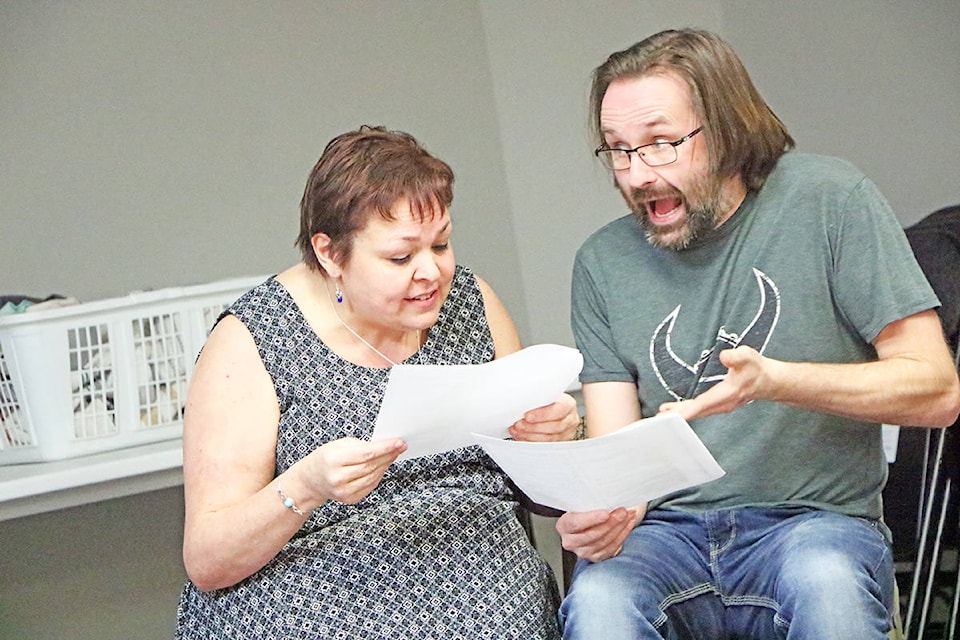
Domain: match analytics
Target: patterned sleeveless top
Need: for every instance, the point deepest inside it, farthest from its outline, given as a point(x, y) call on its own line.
point(435, 551)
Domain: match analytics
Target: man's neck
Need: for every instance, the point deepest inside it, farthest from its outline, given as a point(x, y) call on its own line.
point(734, 193)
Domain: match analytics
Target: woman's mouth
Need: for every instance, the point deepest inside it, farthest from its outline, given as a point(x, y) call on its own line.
point(424, 297)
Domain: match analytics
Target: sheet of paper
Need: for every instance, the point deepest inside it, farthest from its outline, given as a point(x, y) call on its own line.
point(642, 461)
point(436, 408)
point(891, 439)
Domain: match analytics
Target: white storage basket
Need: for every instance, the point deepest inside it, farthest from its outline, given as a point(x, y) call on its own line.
point(103, 375)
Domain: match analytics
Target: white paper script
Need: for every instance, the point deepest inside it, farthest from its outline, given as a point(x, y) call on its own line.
point(640, 462)
point(437, 408)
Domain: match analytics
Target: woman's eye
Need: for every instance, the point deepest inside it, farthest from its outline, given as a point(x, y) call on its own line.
point(400, 260)
point(440, 248)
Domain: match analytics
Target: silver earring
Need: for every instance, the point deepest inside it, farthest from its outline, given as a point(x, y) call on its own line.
point(339, 293)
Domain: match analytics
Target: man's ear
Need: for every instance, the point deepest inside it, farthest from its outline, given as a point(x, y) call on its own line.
point(323, 250)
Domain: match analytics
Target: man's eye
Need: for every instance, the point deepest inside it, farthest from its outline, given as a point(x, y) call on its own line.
point(661, 143)
point(439, 248)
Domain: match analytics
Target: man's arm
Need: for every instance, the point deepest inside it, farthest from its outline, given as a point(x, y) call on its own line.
point(610, 406)
point(913, 381)
point(598, 535)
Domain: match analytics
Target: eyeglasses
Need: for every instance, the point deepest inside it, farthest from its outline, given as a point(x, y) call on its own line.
point(655, 154)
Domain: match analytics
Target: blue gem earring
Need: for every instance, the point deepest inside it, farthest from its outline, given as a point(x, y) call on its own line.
point(339, 293)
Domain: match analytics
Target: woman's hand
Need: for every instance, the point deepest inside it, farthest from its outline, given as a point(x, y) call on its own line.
point(598, 535)
point(555, 422)
point(347, 470)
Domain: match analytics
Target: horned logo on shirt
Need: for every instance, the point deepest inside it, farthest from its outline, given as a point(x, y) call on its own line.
point(683, 380)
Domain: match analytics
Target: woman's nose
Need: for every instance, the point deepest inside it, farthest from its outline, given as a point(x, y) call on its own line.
point(426, 267)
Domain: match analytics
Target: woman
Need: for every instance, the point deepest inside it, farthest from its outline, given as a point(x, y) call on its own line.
point(297, 526)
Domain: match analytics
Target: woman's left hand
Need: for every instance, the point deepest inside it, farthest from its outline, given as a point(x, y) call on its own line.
point(555, 422)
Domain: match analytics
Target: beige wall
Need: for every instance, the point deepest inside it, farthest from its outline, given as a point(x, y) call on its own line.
point(159, 144)
point(874, 81)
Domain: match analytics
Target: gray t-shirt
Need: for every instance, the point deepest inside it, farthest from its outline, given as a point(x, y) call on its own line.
point(809, 269)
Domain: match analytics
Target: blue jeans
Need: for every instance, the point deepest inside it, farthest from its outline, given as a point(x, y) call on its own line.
point(748, 573)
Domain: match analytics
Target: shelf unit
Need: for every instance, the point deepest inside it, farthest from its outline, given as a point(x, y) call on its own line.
point(28, 489)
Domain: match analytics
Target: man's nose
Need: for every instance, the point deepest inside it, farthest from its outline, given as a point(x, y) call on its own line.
point(639, 175)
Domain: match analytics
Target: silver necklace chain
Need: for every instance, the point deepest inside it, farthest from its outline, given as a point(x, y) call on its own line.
point(359, 337)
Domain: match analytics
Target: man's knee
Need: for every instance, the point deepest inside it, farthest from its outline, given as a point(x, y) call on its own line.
point(836, 590)
point(838, 560)
point(600, 586)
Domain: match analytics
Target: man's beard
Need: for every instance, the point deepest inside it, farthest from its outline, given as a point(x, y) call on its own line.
point(704, 205)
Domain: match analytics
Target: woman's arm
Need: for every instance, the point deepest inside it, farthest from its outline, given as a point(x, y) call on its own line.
point(506, 340)
point(235, 520)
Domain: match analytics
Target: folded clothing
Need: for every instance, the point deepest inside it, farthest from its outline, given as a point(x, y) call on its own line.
point(21, 303)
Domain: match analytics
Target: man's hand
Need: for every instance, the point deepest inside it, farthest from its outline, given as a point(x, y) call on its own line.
point(598, 535)
point(743, 383)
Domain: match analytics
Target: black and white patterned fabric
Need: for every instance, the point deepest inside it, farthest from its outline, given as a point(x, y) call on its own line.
point(436, 551)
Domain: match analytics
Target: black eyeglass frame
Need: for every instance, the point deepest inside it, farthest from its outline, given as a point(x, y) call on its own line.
point(607, 151)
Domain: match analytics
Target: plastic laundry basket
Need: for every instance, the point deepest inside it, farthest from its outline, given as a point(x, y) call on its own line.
point(103, 375)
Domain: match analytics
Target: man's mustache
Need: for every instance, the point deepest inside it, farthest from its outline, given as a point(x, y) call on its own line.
point(640, 195)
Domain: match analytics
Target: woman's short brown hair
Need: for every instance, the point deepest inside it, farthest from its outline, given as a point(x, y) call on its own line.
point(364, 172)
point(744, 135)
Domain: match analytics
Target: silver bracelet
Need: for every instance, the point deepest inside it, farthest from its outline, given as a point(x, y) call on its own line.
point(288, 501)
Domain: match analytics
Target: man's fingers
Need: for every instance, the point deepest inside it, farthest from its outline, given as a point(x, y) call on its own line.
point(572, 523)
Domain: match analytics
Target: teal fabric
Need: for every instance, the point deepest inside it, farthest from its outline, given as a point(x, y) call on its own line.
point(810, 268)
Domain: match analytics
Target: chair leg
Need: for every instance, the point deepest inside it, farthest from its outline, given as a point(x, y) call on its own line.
point(934, 563)
point(930, 490)
point(896, 633)
point(955, 606)
point(526, 521)
point(569, 561)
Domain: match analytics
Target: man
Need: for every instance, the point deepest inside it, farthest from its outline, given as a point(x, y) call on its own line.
point(771, 299)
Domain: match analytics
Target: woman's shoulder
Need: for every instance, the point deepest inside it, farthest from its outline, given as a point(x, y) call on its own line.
point(462, 316)
point(465, 283)
point(270, 296)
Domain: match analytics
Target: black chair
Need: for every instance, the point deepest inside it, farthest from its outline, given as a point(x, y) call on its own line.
point(922, 498)
point(922, 508)
point(525, 513)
